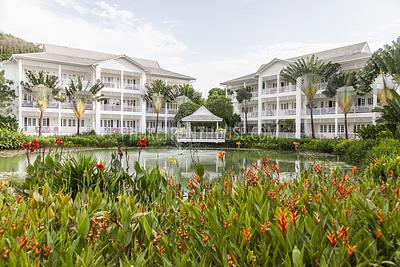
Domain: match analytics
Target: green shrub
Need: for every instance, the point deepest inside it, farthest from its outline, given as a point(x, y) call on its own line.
point(374, 132)
point(385, 148)
point(384, 168)
point(356, 150)
point(10, 138)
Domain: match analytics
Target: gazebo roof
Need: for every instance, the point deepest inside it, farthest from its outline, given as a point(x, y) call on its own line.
point(202, 114)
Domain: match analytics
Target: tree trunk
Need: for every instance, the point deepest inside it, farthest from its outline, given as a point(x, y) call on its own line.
point(245, 121)
point(312, 121)
point(157, 123)
point(40, 123)
point(78, 127)
point(345, 126)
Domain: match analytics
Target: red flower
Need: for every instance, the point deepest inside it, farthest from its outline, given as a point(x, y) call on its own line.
point(36, 144)
point(142, 142)
point(31, 149)
point(59, 142)
point(100, 166)
point(25, 144)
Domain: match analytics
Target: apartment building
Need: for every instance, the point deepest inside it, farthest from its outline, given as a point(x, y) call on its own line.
point(278, 108)
point(124, 80)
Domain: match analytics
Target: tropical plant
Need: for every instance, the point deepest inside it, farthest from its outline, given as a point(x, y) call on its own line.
point(79, 95)
point(156, 94)
point(243, 96)
point(185, 109)
point(343, 84)
point(7, 95)
point(221, 106)
point(311, 72)
point(385, 61)
point(188, 91)
point(43, 87)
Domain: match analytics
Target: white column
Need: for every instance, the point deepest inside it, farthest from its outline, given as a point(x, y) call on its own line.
point(298, 110)
point(143, 119)
point(374, 102)
point(97, 104)
point(166, 118)
point(20, 78)
point(244, 120)
point(277, 104)
point(122, 102)
point(336, 116)
point(259, 107)
point(59, 104)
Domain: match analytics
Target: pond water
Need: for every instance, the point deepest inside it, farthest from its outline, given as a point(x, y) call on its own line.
point(235, 159)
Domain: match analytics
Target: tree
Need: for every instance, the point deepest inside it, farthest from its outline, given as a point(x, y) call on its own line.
point(312, 72)
point(243, 96)
point(343, 84)
point(186, 109)
point(7, 95)
point(12, 45)
point(158, 92)
point(43, 88)
point(78, 95)
point(221, 106)
point(188, 90)
point(216, 90)
point(384, 61)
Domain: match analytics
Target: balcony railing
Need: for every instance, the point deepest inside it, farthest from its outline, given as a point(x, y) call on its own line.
point(172, 111)
point(361, 109)
point(269, 113)
point(32, 104)
point(45, 129)
point(287, 112)
point(124, 86)
point(151, 110)
point(251, 115)
point(322, 111)
point(288, 88)
point(130, 108)
point(204, 137)
point(269, 91)
point(132, 87)
point(108, 107)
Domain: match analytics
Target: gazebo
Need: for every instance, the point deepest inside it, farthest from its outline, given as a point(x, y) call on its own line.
point(186, 135)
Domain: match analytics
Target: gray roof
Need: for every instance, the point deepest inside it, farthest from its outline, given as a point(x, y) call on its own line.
point(76, 56)
point(202, 114)
point(340, 54)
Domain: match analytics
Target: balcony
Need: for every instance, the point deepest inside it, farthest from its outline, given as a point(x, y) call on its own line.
point(288, 88)
point(287, 112)
point(172, 111)
point(151, 110)
point(254, 94)
point(361, 109)
point(322, 111)
point(286, 135)
point(70, 106)
point(45, 129)
point(107, 107)
point(33, 104)
point(132, 87)
point(117, 85)
point(130, 108)
point(251, 115)
point(111, 85)
point(269, 113)
point(269, 91)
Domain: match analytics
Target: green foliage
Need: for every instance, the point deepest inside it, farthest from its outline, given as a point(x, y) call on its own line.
point(10, 137)
point(384, 168)
point(7, 95)
point(390, 113)
point(220, 106)
point(355, 151)
point(389, 148)
point(373, 132)
point(243, 95)
point(186, 109)
point(12, 45)
point(216, 90)
point(188, 91)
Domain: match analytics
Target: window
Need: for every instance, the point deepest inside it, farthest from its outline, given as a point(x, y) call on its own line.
point(83, 123)
point(361, 102)
point(370, 101)
point(322, 104)
point(25, 121)
point(331, 103)
point(46, 122)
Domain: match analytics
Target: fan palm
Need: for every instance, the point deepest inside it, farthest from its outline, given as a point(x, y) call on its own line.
point(243, 95)
point(156, 94)
point(43, 87)
point(188, 90)
point(311, 72)
point(79, 95)
point(343, 84)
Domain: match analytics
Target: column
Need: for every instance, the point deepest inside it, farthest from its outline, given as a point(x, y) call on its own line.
point(374, 102)
point(166, 118)
point(143, 115)
point(277, 104)
point(259, 107)
point(244, 119)
point(336, 116)
point(59, 104)
point(298, 110)
point(122, 102)
point(20, 78)
point(97, 109)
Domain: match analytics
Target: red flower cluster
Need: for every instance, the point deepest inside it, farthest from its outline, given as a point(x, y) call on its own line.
point(59, 142)
point(31, 147)
point(142, 142)
point(100, 166)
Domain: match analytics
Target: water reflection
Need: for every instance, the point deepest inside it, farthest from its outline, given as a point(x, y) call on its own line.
point(235, 160)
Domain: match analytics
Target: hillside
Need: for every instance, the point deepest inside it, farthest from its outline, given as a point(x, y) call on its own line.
point(10, 44)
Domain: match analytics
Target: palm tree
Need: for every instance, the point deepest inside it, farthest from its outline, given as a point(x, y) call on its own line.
point(188, 90)
point(44, 87)
point(243, 95)
point(79, 95)
point(158, 92)
point(343, 84)
point(311, 72)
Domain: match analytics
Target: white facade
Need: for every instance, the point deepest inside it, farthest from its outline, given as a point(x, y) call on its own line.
point(124, 80)
point(279, 108)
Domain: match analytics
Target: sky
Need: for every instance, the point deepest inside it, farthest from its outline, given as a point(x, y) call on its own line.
point(211, 40)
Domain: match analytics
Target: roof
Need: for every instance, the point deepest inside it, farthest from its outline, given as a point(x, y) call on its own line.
point(202, 114)
point(339, 54)
point(77, 56)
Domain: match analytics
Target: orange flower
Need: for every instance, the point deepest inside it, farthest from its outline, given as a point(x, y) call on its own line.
point(378, 234)
point(46, 250)
point(351, 249)
point(18, 198)
point(398, 192)
point(247, 233)
point(221, 155)
point(264, 228)
point(379, 217)
point(231, 261)
point(318, 168)
point(316, 216)
point(160, 249)
point(226, 224)
point(281, 217)
point(354, 170)
point(342, 233)
point(23, 242)
point(331, 237)
point(293, 216)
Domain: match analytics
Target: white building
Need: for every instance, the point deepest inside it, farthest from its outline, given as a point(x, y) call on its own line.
point(279, 109)
point(124, 80)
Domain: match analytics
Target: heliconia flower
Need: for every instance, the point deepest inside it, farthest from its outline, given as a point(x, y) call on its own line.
point(331, 237)
point(46, 250)
point(25, 144)
point(59, 142)
point(142, 142)
point(204, 237)
point(100, 166)
point(36, 144)
point(379, 216)
point(378, 234)
point(264, 228)
point(23, 242)
point(221, 155)
point(231, 261)
point(31, 149)
point(293, 216)
point(18, 198)
point(318, 168)
point(342, 233)
point(281, 217)
point(317, 217)
point(160, 249)
point(354, 170)
point(247, 233)
point(398, 192)
point(350, 249)
point(226, 224)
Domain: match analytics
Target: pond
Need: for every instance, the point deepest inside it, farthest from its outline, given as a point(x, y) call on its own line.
point(290, 163)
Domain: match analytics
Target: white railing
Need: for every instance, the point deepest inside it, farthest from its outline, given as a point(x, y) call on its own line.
point(200, 136)
point(172, 111)
point(108, 107)
point(151, 110)
point(45, 129)
point(251, 114)
point(33, 104)
point(287, 112)
point(130, 108)
point(361, 109)
point(269, 91)
point(269, 113)
point(322, 111)
point(287, 88)
point(132, 87)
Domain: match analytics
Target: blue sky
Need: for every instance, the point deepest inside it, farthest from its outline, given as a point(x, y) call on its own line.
point(210, 40)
